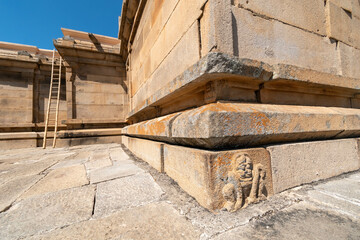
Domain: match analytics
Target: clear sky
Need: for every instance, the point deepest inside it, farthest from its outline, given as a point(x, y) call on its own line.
point(38, 22)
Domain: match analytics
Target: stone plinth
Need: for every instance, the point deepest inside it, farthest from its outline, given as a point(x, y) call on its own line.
point(232, 125)
point(232, 179)
point(217, 180)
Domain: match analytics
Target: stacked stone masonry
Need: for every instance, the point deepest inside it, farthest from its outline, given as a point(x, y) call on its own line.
point(221, 87)
point(236, 100)
point(93, 94)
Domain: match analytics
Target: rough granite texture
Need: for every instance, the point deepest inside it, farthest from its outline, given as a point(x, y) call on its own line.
point(150, 205)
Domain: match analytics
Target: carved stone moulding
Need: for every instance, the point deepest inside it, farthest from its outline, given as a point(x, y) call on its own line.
point(221, 180)
point(238, 125)
point(218, 180)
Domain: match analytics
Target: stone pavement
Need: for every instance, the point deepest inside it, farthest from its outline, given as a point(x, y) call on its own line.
point(103, 192)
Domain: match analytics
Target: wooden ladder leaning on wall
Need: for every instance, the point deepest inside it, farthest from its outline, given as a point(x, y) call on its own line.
point(55, 85)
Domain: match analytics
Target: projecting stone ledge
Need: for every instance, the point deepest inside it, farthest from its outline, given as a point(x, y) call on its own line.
point(233, 125)
point(221, 77)
point(232, 179)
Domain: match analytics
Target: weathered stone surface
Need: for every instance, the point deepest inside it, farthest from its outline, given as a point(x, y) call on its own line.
point(58, 179)
point(31, 168)
point(10, 191)
point(17, 143)
point(46, 212)
point(338, 23)
point(154, 221)
point(350, 60)
point(297, 222)
point(205, 175)
point(149, 151)
point(308, 14)
point(299, 163)
point(345, 4)
point(285, 75)
point(343, 194)
point(187, 49)
point(274, 42)
point(77, 159)
point(269, 96)
point(119, 169)
point(96, 164)
point(117, 154)
point(170, 44)
point(219, 125)
point(239, 79)
point(125, 193)
point(213, 66)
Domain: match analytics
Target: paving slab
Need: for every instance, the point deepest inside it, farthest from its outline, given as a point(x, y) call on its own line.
point(96, 164)
point(150, 205)
point(21, 170)
point(46, 212)
point(118, 154)
point(79, 158)
point(340, 194)
point(59, 179)
point(126, 192)
point(299, 222)
point(112, 172)
point(153, 224)
point(10, 191)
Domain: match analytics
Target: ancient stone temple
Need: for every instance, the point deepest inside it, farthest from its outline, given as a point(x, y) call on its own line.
point(236, 100)
point(93, 100)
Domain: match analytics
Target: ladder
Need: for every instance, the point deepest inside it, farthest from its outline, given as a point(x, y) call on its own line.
point(54, 100)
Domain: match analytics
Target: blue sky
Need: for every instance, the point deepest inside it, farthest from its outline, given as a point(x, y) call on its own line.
point(38, 22)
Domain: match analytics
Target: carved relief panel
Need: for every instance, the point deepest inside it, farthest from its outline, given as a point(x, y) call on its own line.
point(242, 178)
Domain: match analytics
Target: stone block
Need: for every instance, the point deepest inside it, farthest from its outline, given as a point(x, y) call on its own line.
point(232, 125)
point(187, 48)
point(355, 34)
point(275, 42)
point(66, 142)
point(307, 14)
point(17, 143)
point(224, 179)
point(345, 4)
point(89, 111)
point(125, 141)
point(350, 60)
point(356, 8)
point(153, 48)
point(307, 99)
point(301, 163)
point(184, 15)
point(338, 23)
point(149, 151)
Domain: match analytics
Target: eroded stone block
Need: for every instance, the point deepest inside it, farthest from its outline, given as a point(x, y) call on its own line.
point(227, 180)
point(299, 163)
point(150, 151)
point(275, 42)
point(232, 125)
point(306, 14)
point(338, 23)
